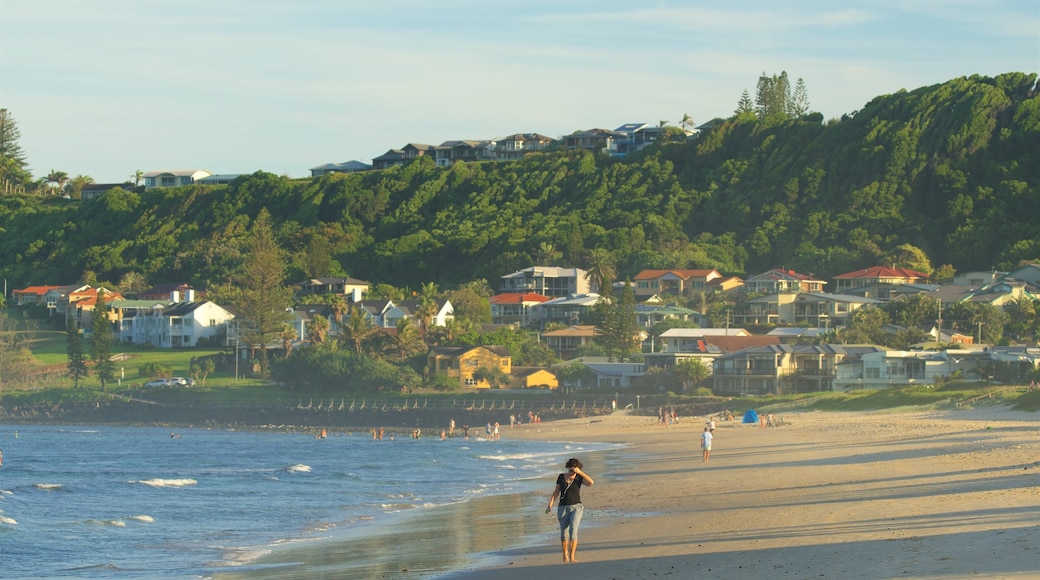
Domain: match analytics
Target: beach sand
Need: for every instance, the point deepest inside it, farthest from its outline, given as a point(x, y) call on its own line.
point(939, 494)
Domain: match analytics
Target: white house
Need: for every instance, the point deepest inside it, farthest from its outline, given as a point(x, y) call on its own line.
point(176, 325)
point(173, 177)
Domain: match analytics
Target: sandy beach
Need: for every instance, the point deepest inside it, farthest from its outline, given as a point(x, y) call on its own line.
point(938, 494)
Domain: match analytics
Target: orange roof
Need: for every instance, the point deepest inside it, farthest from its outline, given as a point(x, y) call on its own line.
point(882, 272)
point(684, 274)
point(37, 290)
point(517, 298)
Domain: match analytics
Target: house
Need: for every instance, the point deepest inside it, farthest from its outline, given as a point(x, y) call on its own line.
point(796, 334)
point(568, 310)
point(780, 280)
point(883, 369)
point(137, 318)
point(304, 315)
point(547, 281)
point(57, 298)
point(95, 190)
point(707, 349)
point(218, 179)
point(403, 155)
point(80, 305)
point(632, 137)
point(887, 292)
point(690, 339)
point(352, 288)
point(383, 313)
point(515, 307)
point(977, 279)
point(877, 275)
point(442, 311)
point(647, 315)
point(33, 295)
point(566, 341)
point(594, 139)
point(352, 166)
point(675, 282)
point(1028, 273)
point(172, 292)
point(516, 146)
point(605, 373)
point(173, 178)
point(781, 369)
point(461, 362)
point(451, 152)
point(175, 325)
point(533, 378)
point(826, 310)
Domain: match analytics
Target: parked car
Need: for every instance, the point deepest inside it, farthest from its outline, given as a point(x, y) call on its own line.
point(182, 382)
point(157, 384)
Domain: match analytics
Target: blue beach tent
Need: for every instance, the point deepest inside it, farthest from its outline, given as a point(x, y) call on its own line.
point(751, 417)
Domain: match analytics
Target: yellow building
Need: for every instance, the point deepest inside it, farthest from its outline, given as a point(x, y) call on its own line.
point(462, 362)
point(533, 378)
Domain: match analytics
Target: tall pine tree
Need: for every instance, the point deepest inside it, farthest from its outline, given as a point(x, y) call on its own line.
point(262, 306)
point(101, 340)
point(74, 349)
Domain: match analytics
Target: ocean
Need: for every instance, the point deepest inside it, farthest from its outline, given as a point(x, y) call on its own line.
point(145, 502)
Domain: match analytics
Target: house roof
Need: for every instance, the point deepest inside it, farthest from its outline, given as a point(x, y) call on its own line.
point(781, 274)
point(461, 350)
point(576, 330)
point(518, 298)
point(352, 165)
point(703, 332)
point(732, 343)
point(328, 281)
point(182, 308)
point(882, 272)
point(165, 289)
point(37, 290)
point(683, 274)
point(177, 172)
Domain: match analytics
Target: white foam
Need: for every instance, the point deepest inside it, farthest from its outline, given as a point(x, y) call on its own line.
point(298, 468)
point(166, 482)
point(8, 521)
point(142, 518)
point(48, 486)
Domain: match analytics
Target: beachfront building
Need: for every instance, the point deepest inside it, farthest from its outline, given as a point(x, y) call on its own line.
point(781, 369)
point(461, 363)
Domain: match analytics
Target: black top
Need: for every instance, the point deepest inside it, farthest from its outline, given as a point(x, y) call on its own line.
point(570, 493)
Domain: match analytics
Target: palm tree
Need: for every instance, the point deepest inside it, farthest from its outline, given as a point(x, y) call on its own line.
point(691, 371)
point(138, 176)
point(288, 335)
point(358, 329)
point(338, 305)
point(59, 177)
point(407, 340)
point(601, 269)
point(132, 282)
point(427, 308)
point(687, 121)
point(318, 329)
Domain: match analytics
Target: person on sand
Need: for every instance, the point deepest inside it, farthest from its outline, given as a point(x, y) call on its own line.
point(706, 439)
point(570, 509)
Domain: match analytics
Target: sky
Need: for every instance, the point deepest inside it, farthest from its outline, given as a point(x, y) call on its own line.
point(109, 87)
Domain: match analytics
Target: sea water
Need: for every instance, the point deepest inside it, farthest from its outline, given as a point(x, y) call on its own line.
point(142, 502)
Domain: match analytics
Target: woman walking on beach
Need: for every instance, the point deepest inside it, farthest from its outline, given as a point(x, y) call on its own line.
point(569, 512)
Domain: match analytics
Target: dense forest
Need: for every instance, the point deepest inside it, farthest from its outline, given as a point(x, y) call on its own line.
point(941, 175)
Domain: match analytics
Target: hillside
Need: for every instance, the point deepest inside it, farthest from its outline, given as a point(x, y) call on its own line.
point(951, 169)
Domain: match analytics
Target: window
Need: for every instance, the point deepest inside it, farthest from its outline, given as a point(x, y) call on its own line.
point(471, 382)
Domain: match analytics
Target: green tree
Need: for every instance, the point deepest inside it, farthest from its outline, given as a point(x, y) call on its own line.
point(601, 269)
point(74, 351)
point(14, 169)
point(265, 299)
point(406, 341)
point(799, 100)
point(492, 376)
point(692, 373)
point(318, 329)
point(358, 328)
point(745, 105)
point(200, 368)
point(101, 341)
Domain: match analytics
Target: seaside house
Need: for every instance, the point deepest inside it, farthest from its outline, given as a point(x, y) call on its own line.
point(674, 282)
point(515, 308)
point(533, 378)
point(878, 276)
point(352, 166)
point(780, 280)
point(781, 369)
point(883, 369)
point(34, 295)
point(462, 362)
point(351, 288)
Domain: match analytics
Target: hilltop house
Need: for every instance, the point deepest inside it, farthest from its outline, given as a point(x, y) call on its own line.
point(353, 166)
point(778, 280)
point(515, 307)
point(173, 178)
point(173, 325)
